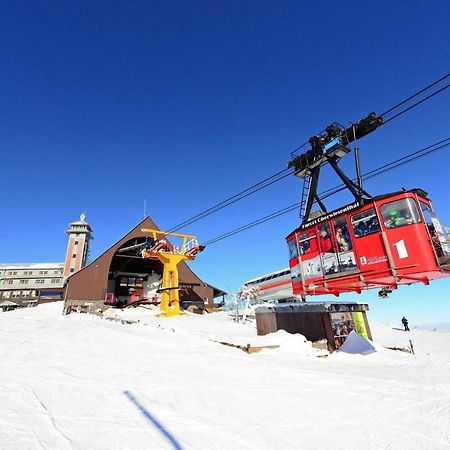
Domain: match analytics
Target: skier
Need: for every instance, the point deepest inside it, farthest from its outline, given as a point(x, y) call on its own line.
point(405, 323)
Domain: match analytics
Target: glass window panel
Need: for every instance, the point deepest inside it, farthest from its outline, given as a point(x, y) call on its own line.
point(365, 223)
point(307, 242)
point(292, 247)
point(400, 213)
point(343, 240)
point(325, 239)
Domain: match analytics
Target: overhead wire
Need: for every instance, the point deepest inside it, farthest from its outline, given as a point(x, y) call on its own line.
point(237, 197)
point(396, 163)
point(278, 176)
point(416, 104)
point(426, 88)
point(371, 174)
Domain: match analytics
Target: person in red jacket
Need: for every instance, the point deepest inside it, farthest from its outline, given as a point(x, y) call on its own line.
point(325, 242)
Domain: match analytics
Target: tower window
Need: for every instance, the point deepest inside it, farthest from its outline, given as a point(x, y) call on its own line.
point(75, 243)
point(74, 255)
point(72, 270)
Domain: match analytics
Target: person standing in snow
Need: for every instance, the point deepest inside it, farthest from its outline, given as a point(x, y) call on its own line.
point(405, 323)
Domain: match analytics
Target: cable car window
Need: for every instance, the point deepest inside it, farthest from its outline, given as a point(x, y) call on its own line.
point(365, 223)
point(426, 214)
point(343, 240)
point(438, 234)
point(325, 239)
point(292, 247)
point(307, 242)
point(399, 213)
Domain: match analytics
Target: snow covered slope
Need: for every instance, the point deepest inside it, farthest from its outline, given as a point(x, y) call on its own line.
point(64, 381)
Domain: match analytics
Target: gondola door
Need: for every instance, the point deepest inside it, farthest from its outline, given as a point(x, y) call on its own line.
point(328, 256)
point(336, 248)
point(437, 234)
point(344, 246)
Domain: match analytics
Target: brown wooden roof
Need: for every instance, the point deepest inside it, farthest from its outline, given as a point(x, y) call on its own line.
point(90, 283)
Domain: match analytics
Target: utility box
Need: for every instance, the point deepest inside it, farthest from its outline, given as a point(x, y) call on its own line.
point(315, 320)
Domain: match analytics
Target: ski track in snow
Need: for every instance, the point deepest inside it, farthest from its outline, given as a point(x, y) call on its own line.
point(63, 379)
point(51, 418)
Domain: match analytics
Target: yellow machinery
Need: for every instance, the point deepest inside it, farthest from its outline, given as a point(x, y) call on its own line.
point(170, 256)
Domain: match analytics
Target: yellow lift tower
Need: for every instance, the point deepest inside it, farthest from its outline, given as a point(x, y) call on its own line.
point(170, 256)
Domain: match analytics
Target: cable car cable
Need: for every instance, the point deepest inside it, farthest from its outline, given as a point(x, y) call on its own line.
point(286, 172)
point(373, 173)
point(416, 104)
point(414, 95)
point(239, 196)
point(395, 163)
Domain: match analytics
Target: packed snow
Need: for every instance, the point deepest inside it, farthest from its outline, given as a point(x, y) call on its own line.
point(84, 382)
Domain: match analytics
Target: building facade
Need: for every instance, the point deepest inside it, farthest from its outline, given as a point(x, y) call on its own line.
point(28, 284)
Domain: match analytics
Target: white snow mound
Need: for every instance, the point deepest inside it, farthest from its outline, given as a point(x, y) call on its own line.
point(356, 344)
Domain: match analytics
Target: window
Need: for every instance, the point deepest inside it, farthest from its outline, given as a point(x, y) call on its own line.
point(55, 272)
point(55, 280)
point(72, 270)
point(400, 213)
point(14, 273)
point(439, 234)
point(325, 240)
point(365, 223)
point(16, 294)
point(75, 243)
point(23, 281)
point(5, 294)
point(45, 272)
point(74, 255)
point(7, 281)
point(30, 272)
point(307, 242)
point(343, 240)
point(9, 273)
point(41, 272)
point(292, 247)
point(40, 281)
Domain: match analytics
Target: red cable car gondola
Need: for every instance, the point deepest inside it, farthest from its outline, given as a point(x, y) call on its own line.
point(375, 242)
point(380, 242)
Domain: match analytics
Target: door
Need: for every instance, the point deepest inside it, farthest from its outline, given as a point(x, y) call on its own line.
point(438, 235)
point(344, 246)
point(328, 254)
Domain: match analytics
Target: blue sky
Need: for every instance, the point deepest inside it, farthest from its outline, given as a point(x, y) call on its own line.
point(105, 104)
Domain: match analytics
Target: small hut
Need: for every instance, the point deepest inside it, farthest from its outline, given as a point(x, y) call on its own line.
point(317, 321)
